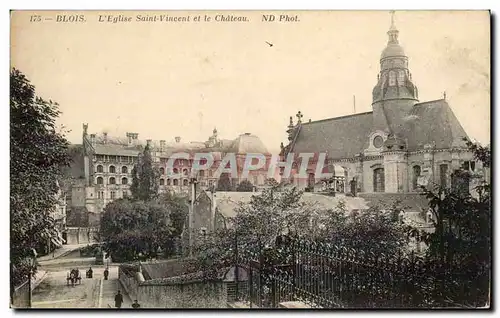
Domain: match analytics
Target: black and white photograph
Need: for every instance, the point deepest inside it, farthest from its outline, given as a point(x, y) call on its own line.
point(250, 160)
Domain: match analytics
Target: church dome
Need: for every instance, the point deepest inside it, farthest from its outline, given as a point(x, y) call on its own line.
point(248, 143)
point(392, 50)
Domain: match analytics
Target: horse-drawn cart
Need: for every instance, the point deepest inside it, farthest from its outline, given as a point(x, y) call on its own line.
point(74, 277)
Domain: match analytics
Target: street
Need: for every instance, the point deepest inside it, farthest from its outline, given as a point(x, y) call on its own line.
point(53, 291)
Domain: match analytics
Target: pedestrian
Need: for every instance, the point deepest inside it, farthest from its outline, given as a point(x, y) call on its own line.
point(90, 272)
point(106, 274)
point(118, 300)
point(136, 305)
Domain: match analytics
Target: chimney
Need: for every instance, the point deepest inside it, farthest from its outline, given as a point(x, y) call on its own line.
point(92, 139)
point(149, 142)
point(105, 136)
point(129, 138)
point(177, 139)
point(162, 145)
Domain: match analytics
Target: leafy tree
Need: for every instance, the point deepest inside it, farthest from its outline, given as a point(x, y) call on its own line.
point(460, 247)
point(38, 153)
point(145, 177)
point(224, 183)
point(132, 229)
point(271, 182)
point(245, 186)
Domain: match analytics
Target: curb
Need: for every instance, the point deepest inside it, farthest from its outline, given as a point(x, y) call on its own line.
point(38, 281)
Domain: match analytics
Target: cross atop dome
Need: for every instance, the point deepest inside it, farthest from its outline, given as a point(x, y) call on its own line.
point(393, 31)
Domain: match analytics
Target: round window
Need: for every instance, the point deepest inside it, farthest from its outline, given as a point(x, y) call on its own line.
point(378, 141)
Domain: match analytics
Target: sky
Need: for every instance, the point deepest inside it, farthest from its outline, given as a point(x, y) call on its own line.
point(168, 79)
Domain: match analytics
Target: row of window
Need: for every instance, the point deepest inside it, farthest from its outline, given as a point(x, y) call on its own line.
point(111, 169)
point(112, 194)
point(124, 169)
point(112, 180)
point(392, 78)
point(127, 159)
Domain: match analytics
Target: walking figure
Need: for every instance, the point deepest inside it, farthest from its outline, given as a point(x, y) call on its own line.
point(118, 300)
point(90, 273)
point(106, 274)
point(136, 305)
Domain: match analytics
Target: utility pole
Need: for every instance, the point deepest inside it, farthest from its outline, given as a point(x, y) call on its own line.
point(354, 102)
point(191, 214)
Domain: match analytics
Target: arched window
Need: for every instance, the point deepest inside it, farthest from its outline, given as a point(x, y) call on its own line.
point(168, 182)
point(185, 172)
point(124, 169)
point(378, 180)
point(162, 170)
point(100, 180)
point(392, 78)
point(176, 182)
point(416, 174)
point(202, 173)
point(112, 169)
point(185, 182)
point(100, 168)
point(176, 171)
point(112, 180)
point(162, 182)
point(124, 181)
point(401, 78)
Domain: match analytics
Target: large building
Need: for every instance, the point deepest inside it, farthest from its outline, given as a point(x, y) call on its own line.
point(102, 170)
point(399, 145)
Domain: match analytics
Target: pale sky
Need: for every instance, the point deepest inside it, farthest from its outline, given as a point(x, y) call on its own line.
point(167, 79)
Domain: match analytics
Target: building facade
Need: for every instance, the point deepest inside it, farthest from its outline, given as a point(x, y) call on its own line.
point(395, 148)
point(108, 162)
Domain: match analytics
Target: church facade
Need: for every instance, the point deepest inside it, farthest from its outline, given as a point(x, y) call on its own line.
point(395, 148)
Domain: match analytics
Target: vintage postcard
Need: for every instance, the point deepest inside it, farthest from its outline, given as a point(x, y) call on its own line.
point(250, 159)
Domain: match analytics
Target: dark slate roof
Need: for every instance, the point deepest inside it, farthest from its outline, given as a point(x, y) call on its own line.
point(342, 137)
point(430, 122)
point(433, 122)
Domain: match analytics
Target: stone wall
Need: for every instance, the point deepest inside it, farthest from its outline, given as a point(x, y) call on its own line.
point(83, 235)
point(157, 293)
point(21, 296)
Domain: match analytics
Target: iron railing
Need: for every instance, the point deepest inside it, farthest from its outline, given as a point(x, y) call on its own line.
point(329, 276)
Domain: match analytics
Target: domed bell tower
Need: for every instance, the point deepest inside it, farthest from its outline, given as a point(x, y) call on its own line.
point(394, 94)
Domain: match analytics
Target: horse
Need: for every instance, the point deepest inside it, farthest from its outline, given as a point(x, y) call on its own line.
point(73, 277)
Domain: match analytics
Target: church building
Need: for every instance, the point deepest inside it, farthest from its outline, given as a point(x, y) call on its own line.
point(399, 145)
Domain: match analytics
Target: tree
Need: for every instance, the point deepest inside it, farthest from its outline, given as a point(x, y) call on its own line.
point(460, 247)
point(224, 183)
point(38, 154)
point(145, 177)
point(135, 229)
point(245, 186)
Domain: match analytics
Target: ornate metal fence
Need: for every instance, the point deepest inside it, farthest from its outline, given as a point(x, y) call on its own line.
point(328, 276)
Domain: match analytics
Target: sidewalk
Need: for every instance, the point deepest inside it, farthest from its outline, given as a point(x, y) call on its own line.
point(60, 252)
point(108, 291)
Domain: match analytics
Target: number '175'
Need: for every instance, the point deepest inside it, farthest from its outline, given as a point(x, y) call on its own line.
point(35, 18)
